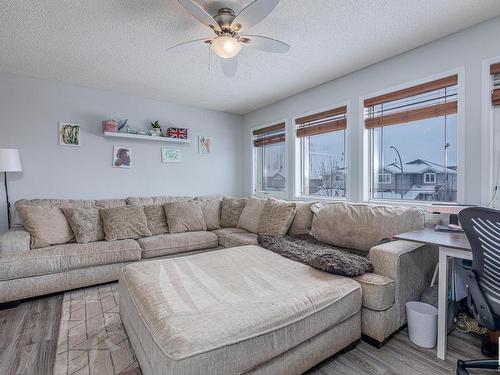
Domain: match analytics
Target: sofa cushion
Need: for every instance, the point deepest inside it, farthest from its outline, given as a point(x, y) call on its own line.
point(158, 200)
point(172, 243)
point(60, 258)
point(250, 216)
point(46, 225)
point(361, 226)
point(86, 224)
point(302, 221)
point(184, 217)
point(276, 217)
point(156, 218)
point(240, 239)
point(378, 291)
point(124, 222)
point(211, 212)
point(230, 211)
point(255, 306)
point(224, 232)
point(110, 203)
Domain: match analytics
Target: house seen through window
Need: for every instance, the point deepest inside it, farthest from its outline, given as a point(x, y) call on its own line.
point(413, 141)
point(269, 145)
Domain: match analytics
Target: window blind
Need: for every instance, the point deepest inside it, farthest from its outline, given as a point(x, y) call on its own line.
point(269, 135)
point(495, 74)
point(428, 100)
point(322, 122)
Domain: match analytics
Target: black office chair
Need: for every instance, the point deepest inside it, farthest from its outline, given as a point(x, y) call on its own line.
point(482, 227)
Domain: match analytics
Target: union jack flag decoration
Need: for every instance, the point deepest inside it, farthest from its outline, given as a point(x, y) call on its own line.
point(180, 133)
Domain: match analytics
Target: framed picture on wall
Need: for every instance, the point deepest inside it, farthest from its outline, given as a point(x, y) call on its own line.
point(170, 155)
point(204, 144)
point(122, 157)
point(69, 134)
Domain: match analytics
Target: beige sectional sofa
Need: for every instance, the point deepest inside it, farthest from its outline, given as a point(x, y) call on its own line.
point(401, 270)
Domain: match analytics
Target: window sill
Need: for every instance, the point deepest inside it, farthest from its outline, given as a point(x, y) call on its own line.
point(396, 202)
point(320, 198)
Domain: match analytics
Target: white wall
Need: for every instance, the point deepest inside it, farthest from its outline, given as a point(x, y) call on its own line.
point(464, 51)
point(30, 110)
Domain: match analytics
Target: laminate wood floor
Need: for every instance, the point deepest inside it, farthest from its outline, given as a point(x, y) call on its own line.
point(28, 339)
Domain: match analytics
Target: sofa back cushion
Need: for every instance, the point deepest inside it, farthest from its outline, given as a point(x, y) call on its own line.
point(158, 200)
point(302, 221)
point(360, 226)
point(211, 208)
point(86, 224)
point(250, 216)
point(124, 222)
point(156, 218)
point(46, 225)
point(184, 217)
point(276, 217)
point(231, 211)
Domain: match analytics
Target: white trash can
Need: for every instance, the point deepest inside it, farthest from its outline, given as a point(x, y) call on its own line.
point(422, 323)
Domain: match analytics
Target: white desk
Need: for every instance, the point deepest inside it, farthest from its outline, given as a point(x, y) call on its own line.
point(453, 245)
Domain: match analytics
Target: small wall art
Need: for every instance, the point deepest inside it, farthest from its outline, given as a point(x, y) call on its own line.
point(122, 157)
point(204, 144)
point(170, 155)
point(69, 134)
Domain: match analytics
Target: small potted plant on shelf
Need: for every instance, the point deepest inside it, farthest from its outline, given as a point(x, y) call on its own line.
point(156, 127)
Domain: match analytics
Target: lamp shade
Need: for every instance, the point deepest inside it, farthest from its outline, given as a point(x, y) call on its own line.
point(10, 160)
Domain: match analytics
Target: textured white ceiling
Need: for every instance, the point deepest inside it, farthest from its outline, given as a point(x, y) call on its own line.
point(120, 44)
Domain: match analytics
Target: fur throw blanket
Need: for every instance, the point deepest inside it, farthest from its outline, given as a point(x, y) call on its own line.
point(307, 250)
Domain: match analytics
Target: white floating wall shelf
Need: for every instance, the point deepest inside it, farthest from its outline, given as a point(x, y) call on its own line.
point(145, 137)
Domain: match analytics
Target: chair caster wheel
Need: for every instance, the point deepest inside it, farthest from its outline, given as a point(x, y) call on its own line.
point(460, 368)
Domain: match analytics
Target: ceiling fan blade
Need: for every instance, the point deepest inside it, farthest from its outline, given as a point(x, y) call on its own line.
point(253, 13)
point(229, 66)
point(264, 43)
point(187, 43)
point(200, 14)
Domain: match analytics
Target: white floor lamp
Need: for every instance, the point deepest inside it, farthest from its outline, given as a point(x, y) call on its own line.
point(9, 162)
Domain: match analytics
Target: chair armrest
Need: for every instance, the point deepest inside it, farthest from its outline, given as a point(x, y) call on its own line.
point(411, 266)
point(14, 242)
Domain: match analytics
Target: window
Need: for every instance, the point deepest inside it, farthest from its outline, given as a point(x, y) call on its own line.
point(384, 178)
point(430, 178)
point(495, 74)
point(322, 153)
point(413, 138)
point(269, 146)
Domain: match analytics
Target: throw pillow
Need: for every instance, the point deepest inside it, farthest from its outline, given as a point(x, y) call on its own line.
point(124, 222)
point(184, 217)
point(156, 219)
point(86, 224)
point(46, 225)
point(250, 216)
point(231, 211)
point(211, 212)
point(301, 224)
point(277, 217)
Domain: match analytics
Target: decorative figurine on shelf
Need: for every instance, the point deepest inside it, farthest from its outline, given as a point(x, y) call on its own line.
point(122, 125)
point(156, 128)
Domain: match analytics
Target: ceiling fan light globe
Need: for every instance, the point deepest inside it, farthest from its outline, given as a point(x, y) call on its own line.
point(226, 47)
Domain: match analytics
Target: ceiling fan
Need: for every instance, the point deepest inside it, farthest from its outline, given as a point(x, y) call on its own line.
point(228, 26)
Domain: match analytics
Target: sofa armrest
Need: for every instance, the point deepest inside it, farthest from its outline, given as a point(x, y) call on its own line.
point(14, 242)
point(411, 266)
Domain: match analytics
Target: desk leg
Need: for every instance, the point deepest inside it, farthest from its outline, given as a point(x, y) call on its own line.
point(442, 304)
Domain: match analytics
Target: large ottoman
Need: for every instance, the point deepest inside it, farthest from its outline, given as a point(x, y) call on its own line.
point(234, 311)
